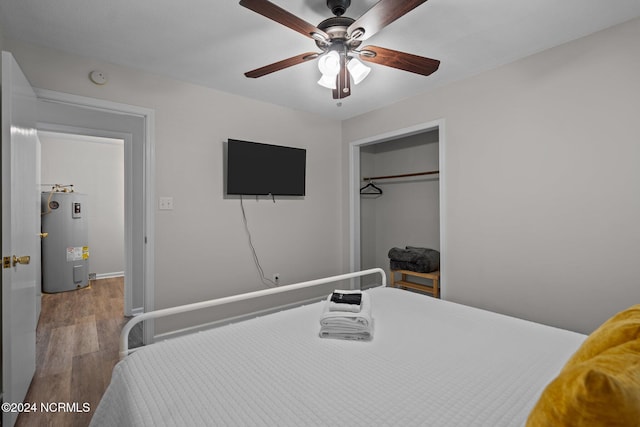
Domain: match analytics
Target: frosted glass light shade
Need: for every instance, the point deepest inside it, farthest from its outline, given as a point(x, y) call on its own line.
point(358, 70)
point(329, 63)
point(328, 81)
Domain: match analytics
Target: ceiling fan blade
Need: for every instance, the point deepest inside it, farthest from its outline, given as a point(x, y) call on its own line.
point(280, 65)
point(382, 14)
point(276, 13)
point(343, 81)
point(400, 60)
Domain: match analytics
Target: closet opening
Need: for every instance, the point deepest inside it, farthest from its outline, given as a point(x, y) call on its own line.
point(397, 197)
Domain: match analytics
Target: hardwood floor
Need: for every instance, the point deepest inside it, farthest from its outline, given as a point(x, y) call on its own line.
point(77, 348)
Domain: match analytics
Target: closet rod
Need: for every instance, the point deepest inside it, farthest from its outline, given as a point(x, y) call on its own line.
point(400, 176)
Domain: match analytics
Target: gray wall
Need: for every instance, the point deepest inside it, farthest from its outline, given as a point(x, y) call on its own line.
point(96, 167)
point(542, 180)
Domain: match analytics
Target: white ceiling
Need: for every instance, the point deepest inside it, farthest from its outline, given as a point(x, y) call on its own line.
point(213, 42)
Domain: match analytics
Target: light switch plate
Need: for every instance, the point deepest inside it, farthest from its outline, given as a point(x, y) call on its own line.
point(165, 204)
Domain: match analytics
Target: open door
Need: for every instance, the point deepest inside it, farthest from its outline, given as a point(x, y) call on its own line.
point(20, 234)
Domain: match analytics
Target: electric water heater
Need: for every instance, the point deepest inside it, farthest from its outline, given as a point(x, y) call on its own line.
point(65, 250)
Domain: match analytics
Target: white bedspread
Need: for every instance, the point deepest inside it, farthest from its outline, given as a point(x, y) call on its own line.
point(430, 363)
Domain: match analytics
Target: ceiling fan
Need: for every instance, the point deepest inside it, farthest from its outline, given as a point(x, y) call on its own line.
point(339, 39)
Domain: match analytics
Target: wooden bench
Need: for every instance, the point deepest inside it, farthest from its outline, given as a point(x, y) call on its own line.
point(433, 290)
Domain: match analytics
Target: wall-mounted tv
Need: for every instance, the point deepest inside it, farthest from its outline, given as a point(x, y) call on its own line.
point(264, 169)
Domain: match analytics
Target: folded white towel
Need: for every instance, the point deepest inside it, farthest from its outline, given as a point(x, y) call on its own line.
point(337, 306)
point(347, 324)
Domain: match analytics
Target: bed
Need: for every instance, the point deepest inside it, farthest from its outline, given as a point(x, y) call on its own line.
point(430, 363)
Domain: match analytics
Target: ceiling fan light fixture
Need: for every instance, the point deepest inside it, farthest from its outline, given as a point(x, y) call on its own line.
point(339, 38)
point(358, 70)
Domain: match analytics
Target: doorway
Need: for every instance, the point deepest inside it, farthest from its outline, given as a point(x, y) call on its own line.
point(365, 249)
point(75, 115)
point(92, 166)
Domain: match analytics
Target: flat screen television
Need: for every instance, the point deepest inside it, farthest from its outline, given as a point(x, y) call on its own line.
point(264, 169)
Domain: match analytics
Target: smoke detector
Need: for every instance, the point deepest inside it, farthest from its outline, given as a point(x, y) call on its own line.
point(98, 77)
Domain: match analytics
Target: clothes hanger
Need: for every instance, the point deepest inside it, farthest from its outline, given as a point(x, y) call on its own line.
point(374, 189)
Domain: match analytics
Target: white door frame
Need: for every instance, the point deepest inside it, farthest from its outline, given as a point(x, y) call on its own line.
point(148, 115)
point(354, 188)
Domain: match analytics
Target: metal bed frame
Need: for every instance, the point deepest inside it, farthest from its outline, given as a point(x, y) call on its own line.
point(124, 335)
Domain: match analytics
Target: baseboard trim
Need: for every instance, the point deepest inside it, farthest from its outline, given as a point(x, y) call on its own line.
point(110, 275)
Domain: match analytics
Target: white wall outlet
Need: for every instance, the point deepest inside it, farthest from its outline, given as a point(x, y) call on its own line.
point(165, 204)
point(276, 278)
